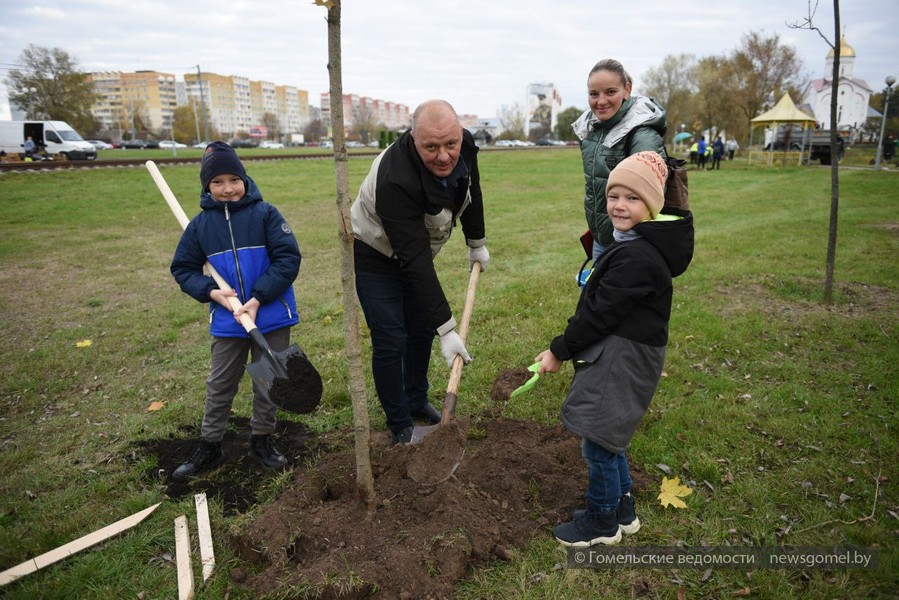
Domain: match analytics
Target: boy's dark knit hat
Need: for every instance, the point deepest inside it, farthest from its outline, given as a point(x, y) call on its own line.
point(220, 159)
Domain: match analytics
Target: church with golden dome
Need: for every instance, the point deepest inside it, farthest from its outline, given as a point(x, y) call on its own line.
point(854, 94)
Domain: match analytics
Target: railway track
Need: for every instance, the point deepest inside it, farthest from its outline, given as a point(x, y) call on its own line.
point(55, 165)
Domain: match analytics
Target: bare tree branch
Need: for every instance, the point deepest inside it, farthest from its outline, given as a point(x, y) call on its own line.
point(807, 23)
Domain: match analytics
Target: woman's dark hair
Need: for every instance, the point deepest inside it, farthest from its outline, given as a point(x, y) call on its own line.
point(612, 65)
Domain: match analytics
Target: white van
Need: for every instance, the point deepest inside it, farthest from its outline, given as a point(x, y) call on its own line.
point(52, 137)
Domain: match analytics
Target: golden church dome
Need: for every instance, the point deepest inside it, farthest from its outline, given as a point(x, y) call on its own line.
point(846, 51)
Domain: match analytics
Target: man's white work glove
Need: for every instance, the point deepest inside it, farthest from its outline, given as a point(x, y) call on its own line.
point(480, 255)
point(451, 345)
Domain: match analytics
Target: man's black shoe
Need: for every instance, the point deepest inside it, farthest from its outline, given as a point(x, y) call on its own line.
point(425, 412)
point(404, 436)
point(261, 447)
point(207, 455)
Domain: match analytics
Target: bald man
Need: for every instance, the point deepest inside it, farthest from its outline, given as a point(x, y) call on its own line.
point(408, 204)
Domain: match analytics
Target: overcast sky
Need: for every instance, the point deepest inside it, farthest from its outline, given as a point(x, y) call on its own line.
point(478, 54)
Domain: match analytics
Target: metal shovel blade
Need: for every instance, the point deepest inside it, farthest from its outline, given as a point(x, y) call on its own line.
point(287, 379)
point(419, 432)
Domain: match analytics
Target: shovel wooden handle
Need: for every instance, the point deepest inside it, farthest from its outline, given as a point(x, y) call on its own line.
point(179, 213)
point(449, 402)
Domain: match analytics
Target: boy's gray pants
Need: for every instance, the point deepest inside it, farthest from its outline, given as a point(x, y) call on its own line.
point(229, 357)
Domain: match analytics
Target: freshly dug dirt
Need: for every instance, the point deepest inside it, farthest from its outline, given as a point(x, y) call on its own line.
point(430, 526)
point(507, 382)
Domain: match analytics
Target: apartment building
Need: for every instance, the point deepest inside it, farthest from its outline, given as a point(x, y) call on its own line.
point(146, 100)
point(129, 101)
point(356, 109)
point(543, 106)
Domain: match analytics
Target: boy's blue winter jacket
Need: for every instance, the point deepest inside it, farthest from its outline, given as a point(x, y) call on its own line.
point(251, 245)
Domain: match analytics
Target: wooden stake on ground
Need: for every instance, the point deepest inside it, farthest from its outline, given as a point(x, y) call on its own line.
point(48, 558)
point(182, 555)
point(204, 531)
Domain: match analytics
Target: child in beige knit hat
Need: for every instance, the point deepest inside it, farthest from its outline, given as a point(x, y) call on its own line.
point(616, 341)
point(636, 190)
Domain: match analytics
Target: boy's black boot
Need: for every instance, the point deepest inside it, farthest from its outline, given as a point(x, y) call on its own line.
point(589, 529)
point(261, 447)
point(207, 455)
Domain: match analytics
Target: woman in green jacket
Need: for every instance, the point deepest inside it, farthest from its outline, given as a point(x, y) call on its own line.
point(617, 125)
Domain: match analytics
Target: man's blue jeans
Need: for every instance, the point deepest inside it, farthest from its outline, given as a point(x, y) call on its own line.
point(608, 477)
point(401, 340)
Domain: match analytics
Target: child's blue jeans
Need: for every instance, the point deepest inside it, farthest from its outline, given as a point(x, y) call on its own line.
point(608, 475)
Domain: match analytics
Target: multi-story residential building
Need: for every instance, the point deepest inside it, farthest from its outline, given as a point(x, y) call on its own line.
point(230, 104)
point(226, 100)
point(543, 106)
point(381, 113)
point(128, 100)
point(292, 108)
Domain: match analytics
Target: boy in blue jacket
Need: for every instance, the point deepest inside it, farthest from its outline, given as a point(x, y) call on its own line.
point(617, 339)
point(251, 245)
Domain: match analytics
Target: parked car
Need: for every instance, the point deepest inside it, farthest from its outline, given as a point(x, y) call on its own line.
point(170, 144)
point(201, 145)
point(271, 145)
point(243, 143)
point(151, 144)
point(132, 144)
point(100, 144)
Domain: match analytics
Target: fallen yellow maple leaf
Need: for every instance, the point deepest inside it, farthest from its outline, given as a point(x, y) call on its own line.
point(673, 491)
point(156, 405)
point(83, 344)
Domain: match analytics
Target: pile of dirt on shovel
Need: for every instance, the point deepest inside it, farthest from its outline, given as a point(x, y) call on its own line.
point(514, 481)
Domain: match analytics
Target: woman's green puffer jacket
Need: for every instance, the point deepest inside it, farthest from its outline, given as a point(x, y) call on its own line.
point(602, 148)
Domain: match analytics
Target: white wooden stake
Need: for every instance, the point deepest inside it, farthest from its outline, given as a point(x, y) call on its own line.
point(182, 553)
point(66, 550)
point(204, 531)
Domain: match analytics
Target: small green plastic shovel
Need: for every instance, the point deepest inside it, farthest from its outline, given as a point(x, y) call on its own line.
point(534, 368)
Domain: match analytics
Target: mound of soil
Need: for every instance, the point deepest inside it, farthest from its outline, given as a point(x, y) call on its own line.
point(470, 493)
point(508, 381)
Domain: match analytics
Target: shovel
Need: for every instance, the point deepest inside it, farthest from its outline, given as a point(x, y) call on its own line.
point(286, 378)
point(449, 401)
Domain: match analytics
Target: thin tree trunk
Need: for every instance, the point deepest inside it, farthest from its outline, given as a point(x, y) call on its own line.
point(834, 158)
point(351, 326)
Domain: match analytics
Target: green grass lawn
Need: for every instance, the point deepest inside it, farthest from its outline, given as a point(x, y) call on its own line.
point(778, 410)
